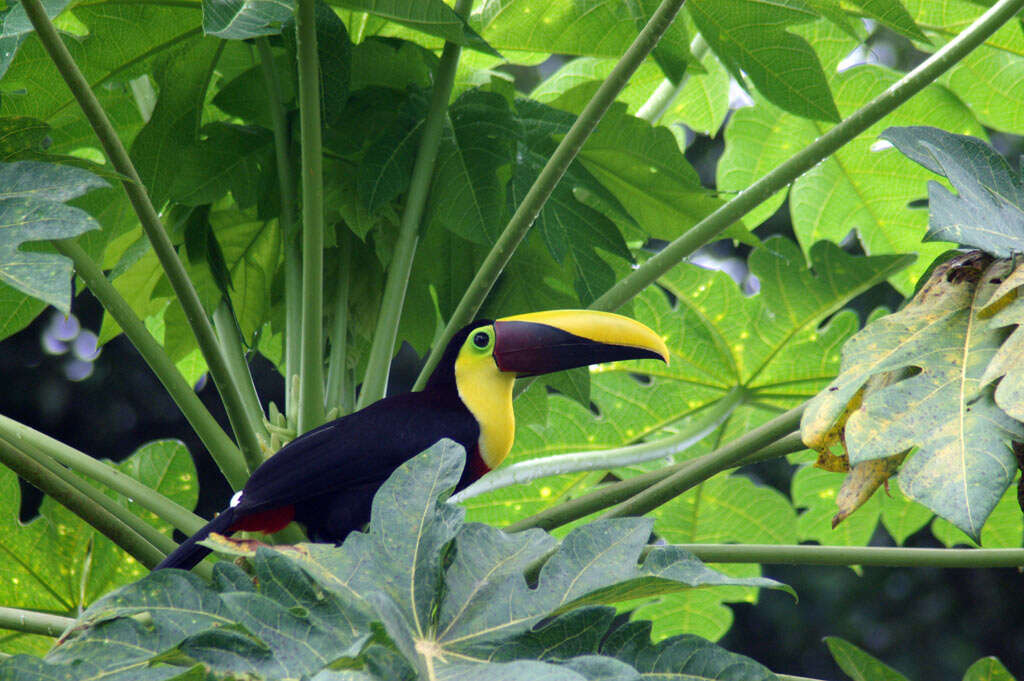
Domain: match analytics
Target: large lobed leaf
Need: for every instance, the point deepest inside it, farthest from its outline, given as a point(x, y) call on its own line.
point(57, 563)
point(941, 406)
point(421, 593)
point(32, 208)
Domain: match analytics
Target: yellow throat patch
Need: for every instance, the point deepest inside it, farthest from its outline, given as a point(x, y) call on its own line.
point(487, 393)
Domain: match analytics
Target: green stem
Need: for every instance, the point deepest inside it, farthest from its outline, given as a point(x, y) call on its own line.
point(871, 556)
point(375, 380)
point(289, 229)
point(338, 392)
point(231, 345)
point(143, 207)
point(725, 457)
point(106, 523)
point(311, 363)
point(178, 516)
point(710, 227)
point(667, 92)
point(607, 496)
point(96, 496)
point(578, 462)
point(213, 437)
point(548, 178)
point(32, 622)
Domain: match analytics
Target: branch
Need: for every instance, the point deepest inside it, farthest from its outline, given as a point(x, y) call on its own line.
point(578, 462)
point(178, 516)
point(137, 196)
point(726, 457)
point(872, 556)
point(710, 227)
point(549, 177)
point(106, 523)
point(32, 622)
point(375, 380)
point(289, 230)
point(221, 448)
point(311, 363)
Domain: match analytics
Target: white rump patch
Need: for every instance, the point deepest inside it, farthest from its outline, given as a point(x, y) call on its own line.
point(236, 499)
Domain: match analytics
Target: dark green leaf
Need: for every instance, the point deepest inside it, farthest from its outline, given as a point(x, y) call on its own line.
point(245, 96)
point(167, 145)
point(334, 50)
point(988, 211)
point(391, 63)
point(472, 165)
point(386, 166)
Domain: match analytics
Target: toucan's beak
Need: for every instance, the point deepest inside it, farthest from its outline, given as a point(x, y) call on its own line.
point(542, 342)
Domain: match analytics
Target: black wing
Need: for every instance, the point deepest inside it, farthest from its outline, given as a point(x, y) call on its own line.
point(360, 449)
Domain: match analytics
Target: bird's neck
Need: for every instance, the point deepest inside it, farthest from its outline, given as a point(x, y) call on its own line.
point(488, 396)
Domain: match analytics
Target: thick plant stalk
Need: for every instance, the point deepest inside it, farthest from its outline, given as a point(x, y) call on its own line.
point(177, 515)
point(880, 556)
point(578, 462)
point(311, 363)
point(143, 207)
point(289, 229)
point(808, 157)
point(607, 496)
point(726, 457)
point(216, 441)
point(548, 178)
point(234, 353)
point(32, 622)
point(375, 381)
point(339, 392)
point(106, 523)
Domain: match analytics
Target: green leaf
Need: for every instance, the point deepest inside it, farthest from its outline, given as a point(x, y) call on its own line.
point(168, 146)
point(815, 490)
point(894, 15)
point(141, 32)
point(391, 63)
point(592, 28)
point(642, 167)
point(988, 669)
point(472, 167)
point(575, 82)
point(241, 19)
point(750, 36)
point(31, 209)
point(963, 463)
point(988, 210)
point(859, 665)
point(386, 167)
point(57, 563)
point(901, 515)
point(1006, 365)
point(682, 657)
point(245, 96)
point(432, 17)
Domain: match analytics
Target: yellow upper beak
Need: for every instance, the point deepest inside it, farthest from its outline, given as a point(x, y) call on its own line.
point(541, 342)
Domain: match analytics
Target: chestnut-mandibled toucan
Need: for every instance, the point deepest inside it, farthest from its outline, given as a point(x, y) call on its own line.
point(325, 479)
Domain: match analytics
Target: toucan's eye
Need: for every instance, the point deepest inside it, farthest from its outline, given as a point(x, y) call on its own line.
point(481, 339)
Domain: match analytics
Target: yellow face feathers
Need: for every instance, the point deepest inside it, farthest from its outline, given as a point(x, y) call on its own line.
point(487, 393)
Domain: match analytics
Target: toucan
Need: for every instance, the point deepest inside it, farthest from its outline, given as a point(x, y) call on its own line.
point(325, 479)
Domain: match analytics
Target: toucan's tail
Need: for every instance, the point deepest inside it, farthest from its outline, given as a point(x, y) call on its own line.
point(190, 553)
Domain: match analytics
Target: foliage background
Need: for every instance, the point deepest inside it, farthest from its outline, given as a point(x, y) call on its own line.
point(884, 611)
